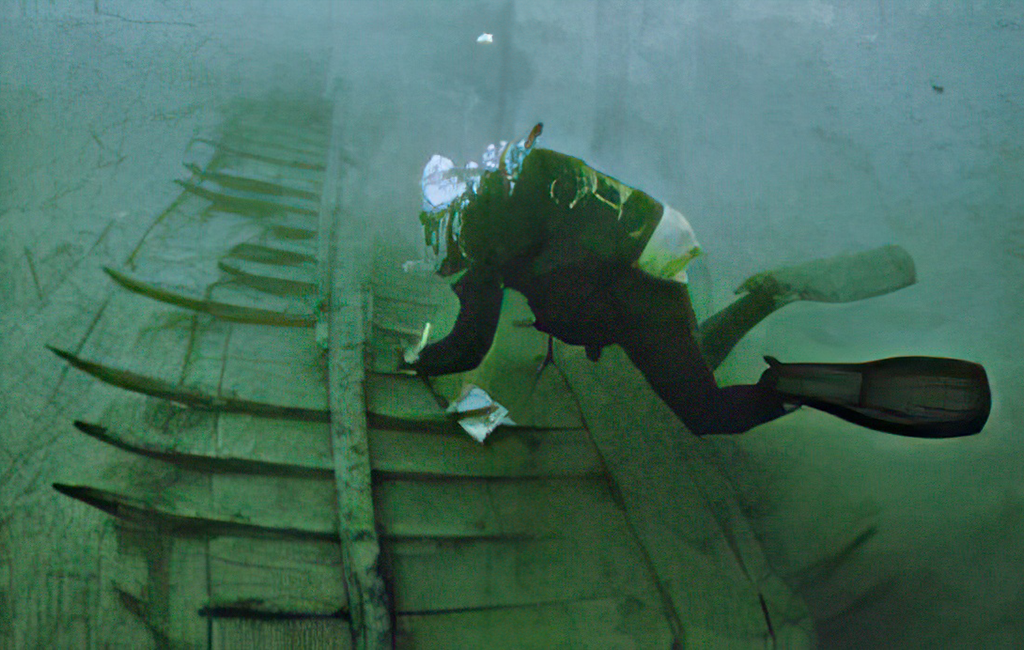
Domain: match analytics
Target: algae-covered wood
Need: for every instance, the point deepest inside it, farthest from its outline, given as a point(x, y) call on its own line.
point(617, 622)
point(158, 338)
point(227, 537)
point(312, 497)
point(368, 598)
point(684, 512)
point(498, 551)
point(234, 303)
point(281, 280)
point(657, 523)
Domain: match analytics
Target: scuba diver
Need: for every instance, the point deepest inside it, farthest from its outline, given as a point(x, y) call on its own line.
point(601, 263)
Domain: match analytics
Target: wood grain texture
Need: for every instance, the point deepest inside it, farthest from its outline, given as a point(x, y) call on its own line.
point(371, 617)
point(167, 562)
point(620, 623)
point(159, 339)
point(683, 511)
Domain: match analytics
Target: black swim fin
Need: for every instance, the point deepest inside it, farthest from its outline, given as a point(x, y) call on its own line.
point(923, 397)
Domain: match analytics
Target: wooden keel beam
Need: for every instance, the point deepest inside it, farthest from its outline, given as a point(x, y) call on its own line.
point(368, 598)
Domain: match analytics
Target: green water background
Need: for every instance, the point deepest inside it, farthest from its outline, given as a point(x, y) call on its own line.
point(784, 130)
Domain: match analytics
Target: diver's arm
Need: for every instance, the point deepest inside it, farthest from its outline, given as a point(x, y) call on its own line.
point(480, 293)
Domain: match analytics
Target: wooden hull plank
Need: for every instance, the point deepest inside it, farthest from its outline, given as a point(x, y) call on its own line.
point(508, 453)
point(405, 329)
point(312, 119)
point(248, 444)
point(401, 401)
point(305, 139)
point(192, 398)
point(282, 443)
point(280, 253)
point(174, 392)
point(277, 141)
point(239, 149)
point(299, 226)
point(242, 202)
point(243, 143)
point(391, 300)
point(697, 545)
point(252, 185)
point(210, 462)
point(282, 313)
point(292, 634)
point(401, 396)
point(267, 577)
point(306, 180)
point(432, 575)
point(391, 282)
point(289, 231)
point(276, 366)
point(275, 279)
point(568, 542)
point(593, 623)
point(514, 509)
point(179, 519)
point(313, 133)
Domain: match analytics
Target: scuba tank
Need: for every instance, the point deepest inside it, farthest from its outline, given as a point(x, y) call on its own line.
point(923, 397)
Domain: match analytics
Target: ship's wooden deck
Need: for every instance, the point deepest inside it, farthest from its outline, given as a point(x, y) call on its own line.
point(275, 483)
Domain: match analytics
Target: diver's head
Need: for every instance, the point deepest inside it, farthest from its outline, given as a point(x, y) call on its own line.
point(449, 191)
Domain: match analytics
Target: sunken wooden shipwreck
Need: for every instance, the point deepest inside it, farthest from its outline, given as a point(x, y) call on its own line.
point(283, 487)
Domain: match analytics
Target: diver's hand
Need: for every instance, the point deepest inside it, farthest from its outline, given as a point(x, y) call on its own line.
point(412, 353)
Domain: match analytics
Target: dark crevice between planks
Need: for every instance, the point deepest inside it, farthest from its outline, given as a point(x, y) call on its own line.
point(495, 608)
point(252, 611)
point(139, 608)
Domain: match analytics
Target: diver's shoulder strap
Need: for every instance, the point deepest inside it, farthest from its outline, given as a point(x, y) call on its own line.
point(928, 397)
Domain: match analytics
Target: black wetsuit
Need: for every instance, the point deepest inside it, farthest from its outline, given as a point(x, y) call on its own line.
point(568, 239)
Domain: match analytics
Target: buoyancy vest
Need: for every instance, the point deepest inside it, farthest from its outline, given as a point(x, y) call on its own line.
point(560, 212)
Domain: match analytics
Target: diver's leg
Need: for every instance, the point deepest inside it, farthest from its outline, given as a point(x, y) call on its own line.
point(840, 278)
point(654, 324)
point(720, 333)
